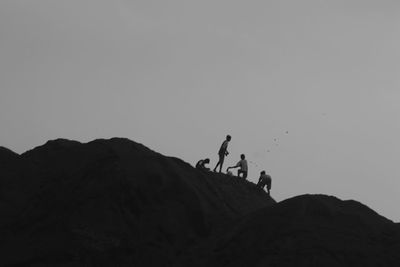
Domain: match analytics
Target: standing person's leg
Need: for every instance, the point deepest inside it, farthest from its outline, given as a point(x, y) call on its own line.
point(216, 166)
point(218, 163)
point(221, 160)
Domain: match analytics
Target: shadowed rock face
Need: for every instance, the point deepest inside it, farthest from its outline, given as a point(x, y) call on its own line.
point(110, 203)
point(117, 203)
point(309, 230)
point(7, 156)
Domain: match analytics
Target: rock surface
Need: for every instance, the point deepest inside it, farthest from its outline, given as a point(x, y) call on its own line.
point(111, 203)
point(308, 230)
point(117, 203)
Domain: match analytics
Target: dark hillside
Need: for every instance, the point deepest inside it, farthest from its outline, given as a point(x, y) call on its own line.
point(117, 203)
point(111, 202)
point(7, 156)
point(308, 230)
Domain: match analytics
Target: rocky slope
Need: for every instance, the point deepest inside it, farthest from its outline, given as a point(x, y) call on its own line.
point(111, 203)
point(308, 230)
point(117, 203)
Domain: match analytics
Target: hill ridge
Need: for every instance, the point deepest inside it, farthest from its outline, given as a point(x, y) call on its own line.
point(115, 191)
point(115, 202)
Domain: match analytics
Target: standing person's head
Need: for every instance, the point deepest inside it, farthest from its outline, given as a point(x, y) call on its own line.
point(242, 156)
point(262, 173)
point(228, 137)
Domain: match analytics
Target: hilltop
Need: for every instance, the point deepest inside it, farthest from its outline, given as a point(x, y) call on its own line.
point(111, 201)
point(118, 203)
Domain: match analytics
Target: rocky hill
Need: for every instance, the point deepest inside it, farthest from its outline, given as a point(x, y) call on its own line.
point(117, 203)
point(308, 230)
point(111, 203)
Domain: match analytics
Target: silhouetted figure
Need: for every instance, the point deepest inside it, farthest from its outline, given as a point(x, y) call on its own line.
point(201, 164)
point(242, 164)
point(264, 180)
point(223, 151)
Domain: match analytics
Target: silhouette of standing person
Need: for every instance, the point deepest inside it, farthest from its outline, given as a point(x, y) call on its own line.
point(242, 164)
point(223, 151)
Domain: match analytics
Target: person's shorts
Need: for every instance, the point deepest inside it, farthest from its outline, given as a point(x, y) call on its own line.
point(244, 173)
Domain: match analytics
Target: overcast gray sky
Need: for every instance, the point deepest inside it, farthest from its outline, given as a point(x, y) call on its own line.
point(179, 75)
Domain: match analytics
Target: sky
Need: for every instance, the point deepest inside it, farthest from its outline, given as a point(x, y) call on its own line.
point(309, 90)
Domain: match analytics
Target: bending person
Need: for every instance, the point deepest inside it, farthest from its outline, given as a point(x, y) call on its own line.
point(264, 180)
point(201, 164)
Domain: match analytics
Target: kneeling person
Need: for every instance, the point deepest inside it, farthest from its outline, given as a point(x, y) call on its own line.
point(242, 164)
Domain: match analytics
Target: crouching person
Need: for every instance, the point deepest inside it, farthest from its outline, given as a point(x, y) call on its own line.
point(201, 164)
point(264, 180)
